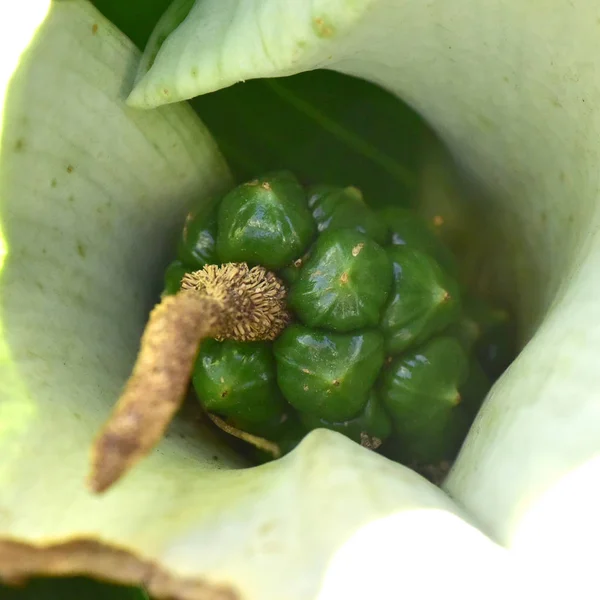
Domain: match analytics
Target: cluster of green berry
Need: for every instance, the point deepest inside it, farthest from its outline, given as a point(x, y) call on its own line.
point(383, 346)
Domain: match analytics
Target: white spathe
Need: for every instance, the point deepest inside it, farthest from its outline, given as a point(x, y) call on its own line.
point(512, 88)
point(92, 193)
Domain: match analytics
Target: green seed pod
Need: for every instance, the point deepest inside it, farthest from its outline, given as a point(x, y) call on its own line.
point(424, 300)
point(338, 291)
point(265, 222)
point(237, 380)
point(196, 247)
point(328, 375)
point(370, 428)
point(173, 275)
point(420, 391)
point(410, 230)
point(344, 284)
point(291, 273)
point(344, 208)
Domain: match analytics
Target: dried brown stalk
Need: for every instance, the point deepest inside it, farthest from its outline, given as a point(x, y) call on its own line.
point(223, 302)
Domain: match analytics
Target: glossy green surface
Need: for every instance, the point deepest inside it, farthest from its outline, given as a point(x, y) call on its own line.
point(287, 432)
point(420, 390)
point(197, 244)
point(173, 275)
point(328, 375)
point(410, 230)
point(424, 300)
point(335, 207)
point(237, 380)
point(355, 305)
point(265, 222)
point(372, 421)
point(291, 273)
point(344, 284)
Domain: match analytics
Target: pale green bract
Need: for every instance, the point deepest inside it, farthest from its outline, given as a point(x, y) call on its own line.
point(91, 195)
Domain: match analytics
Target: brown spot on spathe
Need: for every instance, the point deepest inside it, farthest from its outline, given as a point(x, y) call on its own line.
point(322, 27)
point(344, 278)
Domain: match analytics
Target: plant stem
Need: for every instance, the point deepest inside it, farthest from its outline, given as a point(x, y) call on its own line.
point(230, 301)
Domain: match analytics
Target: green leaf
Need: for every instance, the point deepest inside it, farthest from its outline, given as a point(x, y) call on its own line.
point(135, 18)
point(327, 126)
point(73, 588)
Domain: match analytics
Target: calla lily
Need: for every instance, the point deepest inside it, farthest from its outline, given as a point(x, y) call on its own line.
point(91, 192)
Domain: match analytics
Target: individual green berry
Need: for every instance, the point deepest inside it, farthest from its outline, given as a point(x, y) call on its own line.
point(265, 222)
point(173, 276)
point(196, 247)
point(420, 391)
point(328, 375)
point(370, 428)
point(344, 284)
point(291, 273)
point(410, 230)
point(424, 300)
point(287, 433)
point(335, 207)
point(237, 380)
